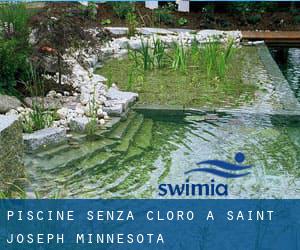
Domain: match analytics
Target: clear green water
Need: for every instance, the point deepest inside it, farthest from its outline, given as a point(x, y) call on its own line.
point(142, 152)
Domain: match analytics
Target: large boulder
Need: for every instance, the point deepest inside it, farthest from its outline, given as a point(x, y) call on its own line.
point(8, 102)
point(44, 137)
point(48, 103)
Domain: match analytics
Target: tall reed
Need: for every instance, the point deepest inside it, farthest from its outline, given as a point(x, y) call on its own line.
point(180, 57)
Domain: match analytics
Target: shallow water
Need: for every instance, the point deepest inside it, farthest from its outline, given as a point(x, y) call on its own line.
point(156, 150)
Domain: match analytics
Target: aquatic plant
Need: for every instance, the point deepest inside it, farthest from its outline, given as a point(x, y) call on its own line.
point(180, 57)
point(216, 58)
point(159, 53)
point(146, 55)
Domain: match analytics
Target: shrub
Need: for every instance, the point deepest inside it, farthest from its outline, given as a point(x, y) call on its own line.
point(14, 45)
point(182, 21)
point(254, 19)
point(164, 15)
point(297, 19)
point(122, 9)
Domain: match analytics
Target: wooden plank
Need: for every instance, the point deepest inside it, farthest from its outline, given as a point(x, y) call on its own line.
point(273, 36)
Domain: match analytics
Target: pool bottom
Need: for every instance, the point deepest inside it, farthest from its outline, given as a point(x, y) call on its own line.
point(139, 154)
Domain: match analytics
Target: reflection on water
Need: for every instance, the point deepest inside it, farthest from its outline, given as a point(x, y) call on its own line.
point(288, 60)
point(154, 150)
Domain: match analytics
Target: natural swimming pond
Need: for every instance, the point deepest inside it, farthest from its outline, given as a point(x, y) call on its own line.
point(147, 149)
point(141, 152)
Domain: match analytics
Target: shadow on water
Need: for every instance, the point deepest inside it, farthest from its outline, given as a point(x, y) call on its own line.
point(288, 60)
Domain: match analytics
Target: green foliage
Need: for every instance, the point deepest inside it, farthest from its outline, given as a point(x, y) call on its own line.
point(182, 21)
point(105, 22)
point(122, 9)
point(14, 45)
point(159, 53)
point(180, 57)
point(131, 20)
point(38, 118)
point(254, 18)
point(92, 126)
point(216, 58)
point(149, 58)
point(297, 19)
point(164, 15)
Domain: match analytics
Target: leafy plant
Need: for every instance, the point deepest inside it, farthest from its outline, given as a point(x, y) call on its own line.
point(254, 19)
point(297, 19)
point(131, 20)
point(122, 9)
point(182, 21)
point(164, 15)
point(106, 22)
point(14, 45)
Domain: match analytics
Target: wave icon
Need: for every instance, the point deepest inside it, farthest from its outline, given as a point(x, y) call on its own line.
point(224, 167)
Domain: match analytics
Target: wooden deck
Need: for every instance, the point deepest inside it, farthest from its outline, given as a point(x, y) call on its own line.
point(275, 37)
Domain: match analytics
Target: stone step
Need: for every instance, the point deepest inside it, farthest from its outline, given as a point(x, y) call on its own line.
point(91, 164)
point(72, 157)
point(122, 128)
point(51, 152)
point(128, 138)
point(132, 153)
point(143, 137)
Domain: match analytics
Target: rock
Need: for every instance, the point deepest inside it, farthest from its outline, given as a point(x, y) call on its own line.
point(7, 103)
point(117, 30)
point(159, 31)
point(44, 138)
point(51, 93)
point(78, 124)
point(79, 110)
point(12, 112)
point(11, 152)
point(115, 110)
point(47, 102)
point(62, 113)
point(102, 121)
point(121, 97)
point(135, 44)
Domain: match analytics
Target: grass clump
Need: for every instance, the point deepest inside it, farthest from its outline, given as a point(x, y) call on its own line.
point(38, 118)
point(199, 76)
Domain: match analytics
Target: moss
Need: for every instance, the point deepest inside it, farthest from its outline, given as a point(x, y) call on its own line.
point(11, 159)
point(193, 88)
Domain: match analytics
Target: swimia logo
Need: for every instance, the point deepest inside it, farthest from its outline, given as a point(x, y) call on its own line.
point(215, 167)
